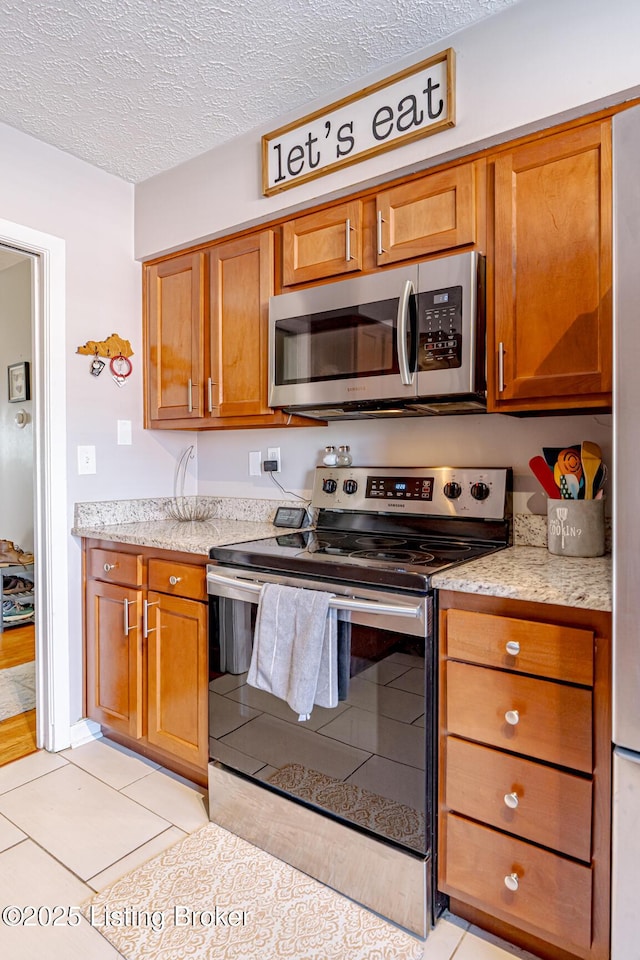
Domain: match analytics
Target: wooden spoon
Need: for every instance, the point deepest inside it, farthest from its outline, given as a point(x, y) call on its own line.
point(591, 456)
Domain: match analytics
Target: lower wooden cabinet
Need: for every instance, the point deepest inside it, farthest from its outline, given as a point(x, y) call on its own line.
point(525, 772)
point(146, 647)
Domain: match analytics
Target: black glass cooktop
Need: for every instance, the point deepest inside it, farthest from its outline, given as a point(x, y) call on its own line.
point(353, 557)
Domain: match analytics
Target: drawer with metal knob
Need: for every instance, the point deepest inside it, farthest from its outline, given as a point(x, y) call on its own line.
point(116, 567)
point(537, 718)
point(543, 649)
point(534, 801)
point(516, 881)
point(180, 579)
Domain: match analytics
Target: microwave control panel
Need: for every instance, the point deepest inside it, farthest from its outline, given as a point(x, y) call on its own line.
point(440, 329)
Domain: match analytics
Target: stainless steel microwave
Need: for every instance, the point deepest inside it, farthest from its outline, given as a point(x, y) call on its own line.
point(403, 342)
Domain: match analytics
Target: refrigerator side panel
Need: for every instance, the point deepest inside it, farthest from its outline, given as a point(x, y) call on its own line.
point(625, 916)
point(626, 432)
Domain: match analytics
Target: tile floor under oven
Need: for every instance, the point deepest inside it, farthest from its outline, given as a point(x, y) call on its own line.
point(73, 822)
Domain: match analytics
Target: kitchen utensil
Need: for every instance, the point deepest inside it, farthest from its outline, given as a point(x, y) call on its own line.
point(600, 479)
point(591, 459)
point(565, 492)
point(573, 485)
point(551, 454)
point(569, 462)
point(542, 472)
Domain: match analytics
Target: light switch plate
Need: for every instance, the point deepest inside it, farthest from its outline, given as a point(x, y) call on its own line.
point(255, 463)
point(124, 432)
point(86, 459)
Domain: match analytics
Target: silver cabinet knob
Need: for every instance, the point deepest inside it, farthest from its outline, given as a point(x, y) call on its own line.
point(512, 717)
point(174, 580)
point(511, 881)
point(511, 800)
point(513, 648)
point(109, 566)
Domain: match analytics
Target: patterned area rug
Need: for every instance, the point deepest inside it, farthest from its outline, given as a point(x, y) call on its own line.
point(392, 819)
point(213, 896)
point(17, 689)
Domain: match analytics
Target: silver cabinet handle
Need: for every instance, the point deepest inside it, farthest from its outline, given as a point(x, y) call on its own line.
point(128, 626)
point(174, 580)
point(379, 223)
point(210, 394)
point(512, 717)
point(512, 881)
point(501, 367)
point(109, 566)
point(513, 648)
point(146, 629)
point(347, 239)
point(511, 800)
point(190, 395)
point(402, 324)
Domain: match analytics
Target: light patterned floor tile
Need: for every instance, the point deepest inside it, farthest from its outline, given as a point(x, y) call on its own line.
point(21, 771)
point(110, 762)
point(9, 834)
point(136, 858)
point(30, 877)
point(477, 944)
point(82, 822)
point(182, 803)
point(445, 937)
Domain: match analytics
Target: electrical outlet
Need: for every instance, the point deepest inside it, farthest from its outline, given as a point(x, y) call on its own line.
point(124, 432)
point(255, 463)
point(273, 453)
point(86, 460)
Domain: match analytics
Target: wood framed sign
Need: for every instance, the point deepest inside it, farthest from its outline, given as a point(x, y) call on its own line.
point(417, 102)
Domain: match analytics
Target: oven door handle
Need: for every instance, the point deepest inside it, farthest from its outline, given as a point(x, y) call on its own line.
point(353, 605)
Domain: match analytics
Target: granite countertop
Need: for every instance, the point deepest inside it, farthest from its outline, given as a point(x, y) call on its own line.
point(532, 573)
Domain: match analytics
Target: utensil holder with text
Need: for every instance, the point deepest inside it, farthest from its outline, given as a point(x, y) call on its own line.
point(575, 528)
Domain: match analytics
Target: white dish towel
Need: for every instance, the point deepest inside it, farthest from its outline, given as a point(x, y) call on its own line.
point(295, 648)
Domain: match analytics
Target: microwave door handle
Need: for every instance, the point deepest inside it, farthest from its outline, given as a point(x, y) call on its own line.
point(402, 325)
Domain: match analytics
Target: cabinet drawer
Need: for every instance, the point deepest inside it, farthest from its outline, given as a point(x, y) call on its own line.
point(553, 894)
point(553, 808)
point(112, 565)
point(180, 579)
point(552, 720)
point(544, 649)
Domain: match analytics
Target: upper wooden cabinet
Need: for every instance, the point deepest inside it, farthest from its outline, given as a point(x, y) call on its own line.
point(176, 305)
point(550, 343)
point(206, 330)
point(428, 215)
point(322, 244)
point(434, 213)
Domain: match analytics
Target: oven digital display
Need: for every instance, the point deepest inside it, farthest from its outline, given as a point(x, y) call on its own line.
point(400, 488)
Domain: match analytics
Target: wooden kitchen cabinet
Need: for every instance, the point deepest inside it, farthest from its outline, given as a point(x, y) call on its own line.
point(147, 652)
point(525, 781)
point(550, 338)
point(206, 331)
point(323, 244)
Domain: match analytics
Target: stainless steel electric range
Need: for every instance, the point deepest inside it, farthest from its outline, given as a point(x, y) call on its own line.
point(349, 796)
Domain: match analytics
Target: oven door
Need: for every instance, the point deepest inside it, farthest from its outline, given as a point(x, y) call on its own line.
point(368, 762)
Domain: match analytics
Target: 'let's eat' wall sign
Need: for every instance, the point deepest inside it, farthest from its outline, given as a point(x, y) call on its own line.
point(414, 103)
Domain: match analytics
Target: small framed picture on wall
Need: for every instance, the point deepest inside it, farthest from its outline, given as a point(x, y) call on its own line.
point(19, 387)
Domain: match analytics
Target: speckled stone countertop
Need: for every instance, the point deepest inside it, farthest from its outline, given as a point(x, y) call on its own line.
point(532, 573)
point(147, 523)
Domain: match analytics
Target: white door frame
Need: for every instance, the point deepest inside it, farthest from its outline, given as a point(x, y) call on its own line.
point(52, 524)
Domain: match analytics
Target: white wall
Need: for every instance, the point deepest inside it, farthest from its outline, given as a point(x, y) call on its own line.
point(92, 211)
point(538, 59)
point(16, 443)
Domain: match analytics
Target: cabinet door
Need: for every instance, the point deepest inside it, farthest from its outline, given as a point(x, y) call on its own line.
point(114, 657)
point(176, 305)
point(241, 284)
point(553, 339)
point(177, 714)
point(323, 244)
point(437, 212)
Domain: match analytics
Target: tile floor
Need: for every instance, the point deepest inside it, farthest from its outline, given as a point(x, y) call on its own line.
point(72, 823)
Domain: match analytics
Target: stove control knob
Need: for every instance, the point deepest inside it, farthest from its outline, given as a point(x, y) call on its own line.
point(329, 486)
point(452, 490)
point(350, 486)
point(480, 491)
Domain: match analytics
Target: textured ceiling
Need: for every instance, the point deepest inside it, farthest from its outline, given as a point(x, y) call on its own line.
point(138, 86)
